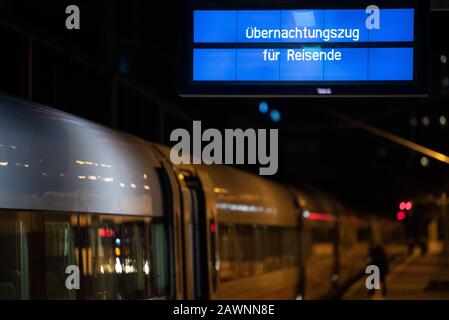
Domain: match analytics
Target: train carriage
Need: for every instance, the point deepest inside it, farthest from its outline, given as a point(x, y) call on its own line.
point(245, 227)
point(77, 195)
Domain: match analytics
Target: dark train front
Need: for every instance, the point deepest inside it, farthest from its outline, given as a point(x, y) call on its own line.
point(139, 227)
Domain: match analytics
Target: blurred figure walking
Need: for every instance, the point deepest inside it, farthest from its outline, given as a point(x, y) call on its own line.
point(378, 257)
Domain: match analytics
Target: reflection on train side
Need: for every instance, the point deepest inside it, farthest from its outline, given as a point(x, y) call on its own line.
point(319, 253)
point(247, 250)
point(120, 257)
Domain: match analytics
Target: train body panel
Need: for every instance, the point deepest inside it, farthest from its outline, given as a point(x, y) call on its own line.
point(256, 231)
point(51, 160)
point(242, 210)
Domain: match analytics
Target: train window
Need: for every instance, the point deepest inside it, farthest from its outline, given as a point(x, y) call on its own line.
point(14, 264)
point(259, 250)
point(321, 234)
point(159, 269)
point(59, 253)
point(132, 248)
point(276, 247)
point(238, 253)
point(244, 250)
point(101, 264)
point(296, 247)
point(270, 251)
point(247, 250)
point(227, 250)
point(289, 247)
point(125, 257)
point(285, 247)
point(119, 257)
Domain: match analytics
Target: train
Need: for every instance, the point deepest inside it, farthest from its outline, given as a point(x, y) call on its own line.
point(136, 226)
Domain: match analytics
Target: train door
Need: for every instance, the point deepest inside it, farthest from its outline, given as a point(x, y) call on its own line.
point(196, 239)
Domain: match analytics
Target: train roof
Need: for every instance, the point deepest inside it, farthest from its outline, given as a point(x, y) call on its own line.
point(248, 198)
point(51, 160)
point(242, 197)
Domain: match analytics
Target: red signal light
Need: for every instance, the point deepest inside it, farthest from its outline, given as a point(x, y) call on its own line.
point(320, 216)
point(401, 215)
point(406, 205)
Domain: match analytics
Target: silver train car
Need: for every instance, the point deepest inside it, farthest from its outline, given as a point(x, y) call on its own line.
point(74, 193)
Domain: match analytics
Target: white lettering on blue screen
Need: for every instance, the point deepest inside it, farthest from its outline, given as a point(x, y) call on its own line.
point(303, 33)
point(303, 55)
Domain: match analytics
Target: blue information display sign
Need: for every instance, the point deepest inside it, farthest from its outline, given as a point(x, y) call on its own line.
point(349, 48)
point(301, 26)
point(311, 64)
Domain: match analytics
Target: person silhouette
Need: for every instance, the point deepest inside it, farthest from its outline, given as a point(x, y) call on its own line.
point(378, 257)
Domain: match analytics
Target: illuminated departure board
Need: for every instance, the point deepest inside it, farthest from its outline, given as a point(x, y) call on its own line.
point(272, 48)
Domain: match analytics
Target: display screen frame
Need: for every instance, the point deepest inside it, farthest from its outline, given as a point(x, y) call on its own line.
point(417, 87)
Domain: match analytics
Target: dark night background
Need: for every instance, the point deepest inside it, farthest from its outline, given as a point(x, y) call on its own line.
point(120, 70)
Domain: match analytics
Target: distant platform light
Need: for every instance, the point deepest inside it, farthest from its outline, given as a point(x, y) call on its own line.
point(263, 107)
point(123, 66)
point(445, 82)
point(146, 268)
point(413, 122)
point(443, 121)
point(424, 161)
point(443, 59)
point(406, 205)
point(118, 265)
point(275, 115)
point(426, 121)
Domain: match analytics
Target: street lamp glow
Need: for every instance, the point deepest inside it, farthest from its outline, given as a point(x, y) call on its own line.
point(445, 82)
point(275, 115)
point(263, 107)
point(424, 161)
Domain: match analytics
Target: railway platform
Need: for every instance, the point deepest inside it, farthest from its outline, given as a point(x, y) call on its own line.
point(416, 277)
